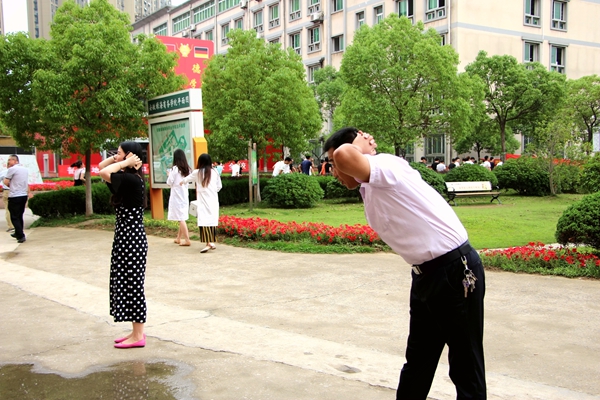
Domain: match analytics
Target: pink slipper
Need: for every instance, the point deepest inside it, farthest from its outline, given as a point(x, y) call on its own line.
point(141, 343)
point(119, 340)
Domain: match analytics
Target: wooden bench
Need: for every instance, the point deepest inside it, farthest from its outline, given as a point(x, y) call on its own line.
point(464, 189)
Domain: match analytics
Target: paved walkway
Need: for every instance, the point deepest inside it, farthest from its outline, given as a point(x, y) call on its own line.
point(268, 325)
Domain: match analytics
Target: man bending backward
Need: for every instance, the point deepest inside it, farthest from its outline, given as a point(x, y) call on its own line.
point(448, 283)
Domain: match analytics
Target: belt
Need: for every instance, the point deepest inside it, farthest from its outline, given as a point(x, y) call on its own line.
point(442, 260)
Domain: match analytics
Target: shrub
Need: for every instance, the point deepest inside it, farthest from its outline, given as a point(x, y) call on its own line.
point(293, 191)
point(567, 177)
point(70, 201)
point(434, 179)
point(580, 223)
point(335, 190)
point(590, 176)
point(526, 175)
point(471, 173)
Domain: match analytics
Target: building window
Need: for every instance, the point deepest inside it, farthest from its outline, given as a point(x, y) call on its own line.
point(295, 12)
point(209, 35)
point(406, 9)
point(311, 72)
point(532, 12)
point(295, 42)
point(314, 40)
point(436, 9)
point(181, 22)
point(274, 41)
point(204, 12)
point(532, 52)
point(559, 15)
point(227, 4)
point(160, 30)
point(53, 8)
point(224, 32)
point(239, 23)
point(258, 21)
point(338, 5)
point(360, 19)
point(443, 39)
point(314, 6)
point(337, 43)
point(435, 145)
point(557, 59)
point(378, 13)
point(274, 16)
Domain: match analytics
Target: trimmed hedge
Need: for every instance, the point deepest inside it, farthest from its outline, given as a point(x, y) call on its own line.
point(70, 201)
point(590, 176)
point(293, 191)
point(526, 175)
point(580, 223)
point(471, 173)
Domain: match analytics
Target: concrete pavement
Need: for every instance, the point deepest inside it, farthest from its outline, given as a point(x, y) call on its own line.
point(267, 325)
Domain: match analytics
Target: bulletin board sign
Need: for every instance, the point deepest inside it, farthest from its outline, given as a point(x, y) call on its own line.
point(167, 134)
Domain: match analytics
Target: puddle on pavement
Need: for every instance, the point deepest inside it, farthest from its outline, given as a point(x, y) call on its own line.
point(129, 380)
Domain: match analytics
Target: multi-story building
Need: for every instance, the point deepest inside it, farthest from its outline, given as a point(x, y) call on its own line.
point(143, 8)
point(561, 34)
point(1, 19)
point(40, 14)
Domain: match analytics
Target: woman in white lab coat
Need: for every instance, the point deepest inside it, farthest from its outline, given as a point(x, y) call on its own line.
point(179, 198)
point(208, 184)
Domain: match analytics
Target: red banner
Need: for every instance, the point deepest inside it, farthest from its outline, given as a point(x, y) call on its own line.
point(193, 55)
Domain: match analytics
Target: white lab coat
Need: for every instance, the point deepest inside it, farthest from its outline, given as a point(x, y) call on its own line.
point(208, 197)
point(179, 198)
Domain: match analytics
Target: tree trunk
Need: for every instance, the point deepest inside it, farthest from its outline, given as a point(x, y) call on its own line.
point(503, 139)
point(89, 210)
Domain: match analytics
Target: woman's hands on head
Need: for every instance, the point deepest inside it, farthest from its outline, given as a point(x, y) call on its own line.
point(131, 160)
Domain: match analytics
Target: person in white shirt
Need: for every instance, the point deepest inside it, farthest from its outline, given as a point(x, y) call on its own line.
point(441, 167)
point(282, 167)
point(486, 163)
point(5, 193)
point(17, 181)
point(235, 169)
point(446, 307)
point(179, 197)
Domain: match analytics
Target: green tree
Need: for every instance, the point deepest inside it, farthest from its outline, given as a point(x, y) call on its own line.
point(549, 141)
point(485, 137)
point(515, 93)
point(329, 88)
point(403, 85)
point(257, 92)
point(88, 89)
point(583, 101)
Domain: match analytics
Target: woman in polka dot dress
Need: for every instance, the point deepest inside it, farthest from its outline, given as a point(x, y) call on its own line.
point(124, 176)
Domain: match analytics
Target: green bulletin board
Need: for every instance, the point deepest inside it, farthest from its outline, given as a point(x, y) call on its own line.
point(166, 137)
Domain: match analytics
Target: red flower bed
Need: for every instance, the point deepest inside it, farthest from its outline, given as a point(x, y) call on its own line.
point(537, 256)
point(264, 229)
point(50, 185)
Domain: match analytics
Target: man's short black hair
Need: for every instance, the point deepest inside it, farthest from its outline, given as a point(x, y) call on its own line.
point(307, 156)
point(340, 137)
point(289, 159)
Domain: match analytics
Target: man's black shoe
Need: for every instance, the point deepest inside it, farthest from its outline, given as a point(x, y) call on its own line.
point(21, 240)
point(13, 235)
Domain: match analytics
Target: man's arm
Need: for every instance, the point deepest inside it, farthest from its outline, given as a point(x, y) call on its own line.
point(7, 182)
point(348, 159)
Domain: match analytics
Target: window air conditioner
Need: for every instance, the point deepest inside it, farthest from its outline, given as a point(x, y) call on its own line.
point(316, 17)
point(244, 4)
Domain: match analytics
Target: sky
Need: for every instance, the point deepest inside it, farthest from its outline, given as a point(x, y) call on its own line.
point(15, 15)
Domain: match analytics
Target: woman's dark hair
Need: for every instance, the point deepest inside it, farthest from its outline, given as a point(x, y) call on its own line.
point(343, 136)
point(180, 161)
point(205, 167)
point(135, 148)
point(77, 164)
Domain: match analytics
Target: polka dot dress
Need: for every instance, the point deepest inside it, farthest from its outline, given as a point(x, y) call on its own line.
point(128, 266)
